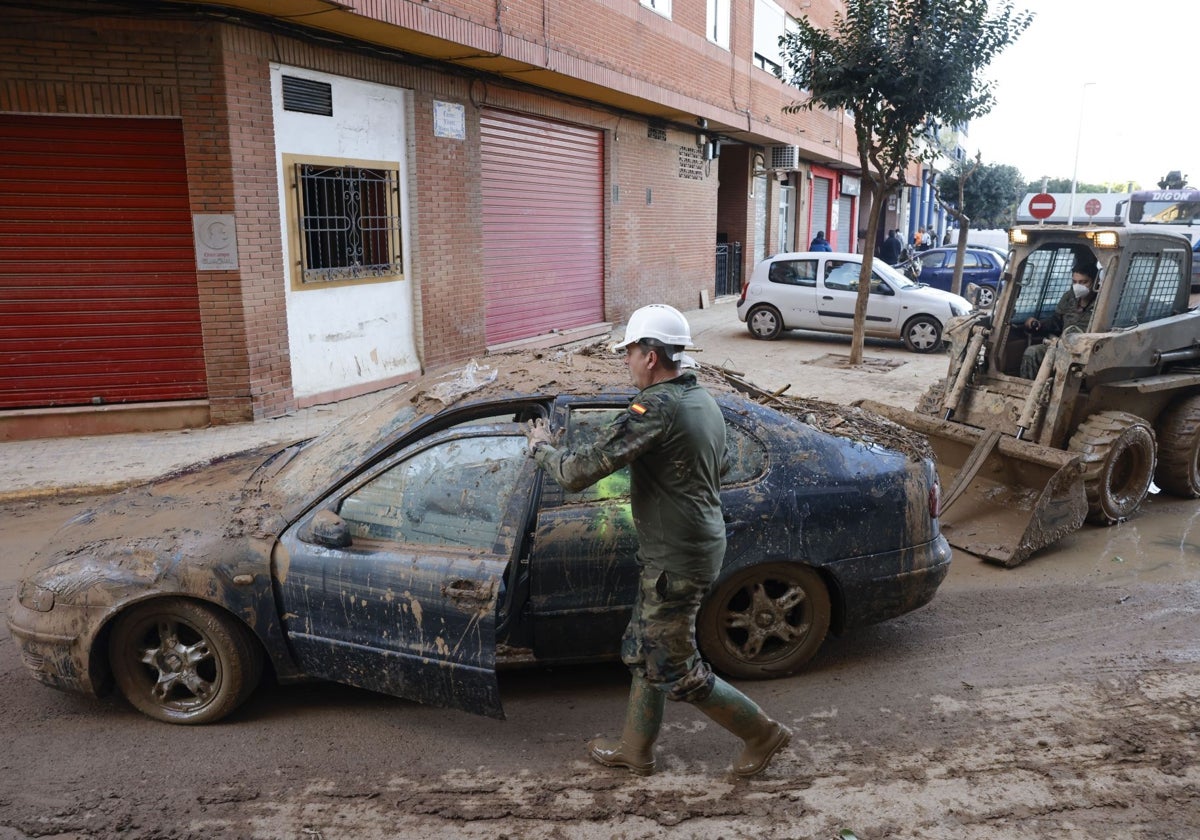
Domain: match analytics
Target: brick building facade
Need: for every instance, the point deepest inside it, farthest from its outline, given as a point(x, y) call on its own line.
point(677, 134)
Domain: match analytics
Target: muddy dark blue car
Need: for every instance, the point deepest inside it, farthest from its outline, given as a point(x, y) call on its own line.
point(414, 549)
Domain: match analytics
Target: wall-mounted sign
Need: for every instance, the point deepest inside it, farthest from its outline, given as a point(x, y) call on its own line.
point(215, 237)
point(851, 185)
point(449, 120)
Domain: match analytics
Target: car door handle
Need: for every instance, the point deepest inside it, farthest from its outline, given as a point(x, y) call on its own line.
point(467, 590)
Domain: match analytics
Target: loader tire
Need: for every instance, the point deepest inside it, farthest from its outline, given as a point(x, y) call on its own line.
point(931, 401)
point(1179, 448)
point(1117, 450)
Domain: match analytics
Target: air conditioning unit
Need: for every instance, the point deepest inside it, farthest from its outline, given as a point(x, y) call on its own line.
point(785, 158)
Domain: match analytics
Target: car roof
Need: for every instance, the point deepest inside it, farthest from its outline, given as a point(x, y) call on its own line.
point(837, 255)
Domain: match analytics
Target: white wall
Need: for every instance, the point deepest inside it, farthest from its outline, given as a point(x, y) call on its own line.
point(347, 335)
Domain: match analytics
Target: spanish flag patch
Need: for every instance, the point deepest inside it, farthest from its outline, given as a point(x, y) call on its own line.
point(637, 408)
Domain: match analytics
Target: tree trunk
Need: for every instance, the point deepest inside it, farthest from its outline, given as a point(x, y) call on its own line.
point(878, 194)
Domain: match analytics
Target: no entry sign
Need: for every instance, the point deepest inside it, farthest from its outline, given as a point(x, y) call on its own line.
point(1041, 206)
point(1092, 207)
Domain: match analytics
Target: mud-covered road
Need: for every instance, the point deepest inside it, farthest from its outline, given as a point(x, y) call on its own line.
point(1058, 699)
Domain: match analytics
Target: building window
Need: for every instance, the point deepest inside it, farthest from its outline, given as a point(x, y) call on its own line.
point(771, 22)
point(663, 7)
point(718, 22)
point(348, 221)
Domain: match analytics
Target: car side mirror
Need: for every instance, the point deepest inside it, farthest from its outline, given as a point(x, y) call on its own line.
point(328, 529)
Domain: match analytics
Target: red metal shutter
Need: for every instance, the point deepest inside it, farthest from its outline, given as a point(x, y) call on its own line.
point(98, 296)
point(543, 225)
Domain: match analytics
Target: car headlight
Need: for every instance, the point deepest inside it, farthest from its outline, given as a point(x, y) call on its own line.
point(958, 309)
point(36, 598)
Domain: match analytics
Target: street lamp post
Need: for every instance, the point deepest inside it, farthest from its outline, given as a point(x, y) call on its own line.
point(1078, 140)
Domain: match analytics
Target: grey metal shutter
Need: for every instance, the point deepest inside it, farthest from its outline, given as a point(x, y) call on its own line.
point(819, 220)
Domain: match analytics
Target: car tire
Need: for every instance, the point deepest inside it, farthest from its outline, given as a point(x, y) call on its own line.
point(765, 620)
point(1117, 450)
point(986, 297)
point(1178, 470)
point(764, 322)
point(180, 661)
point(923, 334)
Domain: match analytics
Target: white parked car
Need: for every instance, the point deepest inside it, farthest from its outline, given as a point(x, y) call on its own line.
point(816, 290)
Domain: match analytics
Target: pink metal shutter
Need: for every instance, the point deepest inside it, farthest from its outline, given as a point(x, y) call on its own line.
point(98, 297)
point(543, 225)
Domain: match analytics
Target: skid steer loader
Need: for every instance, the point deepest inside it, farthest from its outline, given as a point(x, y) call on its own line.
point(1024, 462)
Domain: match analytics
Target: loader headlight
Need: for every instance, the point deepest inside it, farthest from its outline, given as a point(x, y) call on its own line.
point(1105, 239)
point(1018, 236)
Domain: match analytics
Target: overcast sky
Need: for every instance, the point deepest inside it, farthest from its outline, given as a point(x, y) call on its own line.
point(1141, 115)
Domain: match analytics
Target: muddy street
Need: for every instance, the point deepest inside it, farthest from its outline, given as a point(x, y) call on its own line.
point(1059, 696)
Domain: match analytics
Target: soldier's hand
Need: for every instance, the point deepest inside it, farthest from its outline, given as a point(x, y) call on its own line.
point(537, 434)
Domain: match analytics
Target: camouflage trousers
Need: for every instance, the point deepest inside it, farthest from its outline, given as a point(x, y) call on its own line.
point(660, 641)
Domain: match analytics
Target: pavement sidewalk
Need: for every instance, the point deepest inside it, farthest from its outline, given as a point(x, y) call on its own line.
point(83, 465)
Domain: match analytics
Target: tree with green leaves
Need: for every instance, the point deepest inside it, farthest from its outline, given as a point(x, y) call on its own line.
point(902, 67)
point(990, 194)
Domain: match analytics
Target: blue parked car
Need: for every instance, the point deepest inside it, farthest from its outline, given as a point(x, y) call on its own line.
point(935, 267)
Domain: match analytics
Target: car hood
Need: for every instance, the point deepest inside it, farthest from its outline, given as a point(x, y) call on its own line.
point(195, 515)
point(930, 293)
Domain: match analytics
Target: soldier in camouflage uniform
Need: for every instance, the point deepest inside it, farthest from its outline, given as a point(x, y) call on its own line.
point(1073, 312)
point(672, 436)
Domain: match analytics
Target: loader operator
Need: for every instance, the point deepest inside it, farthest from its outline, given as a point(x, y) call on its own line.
point(1074, 311)
point(672, 436)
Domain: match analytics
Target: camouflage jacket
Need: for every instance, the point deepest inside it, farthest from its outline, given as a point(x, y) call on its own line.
point(672, 436)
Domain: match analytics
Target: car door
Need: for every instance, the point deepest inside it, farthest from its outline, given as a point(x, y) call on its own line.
point(583, 567)
point(583, 564)
point(792, 287)
point(838, 295)
point(391, 582)
point(937, 269)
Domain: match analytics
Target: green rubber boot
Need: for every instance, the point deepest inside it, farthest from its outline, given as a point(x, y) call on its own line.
point(740, 715)
point(643, 718)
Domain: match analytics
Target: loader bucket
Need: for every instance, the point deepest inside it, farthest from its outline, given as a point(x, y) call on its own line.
point(1021, 496)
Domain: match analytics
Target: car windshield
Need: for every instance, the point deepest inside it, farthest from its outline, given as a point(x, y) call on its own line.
point(354, 440)
point(894, 277)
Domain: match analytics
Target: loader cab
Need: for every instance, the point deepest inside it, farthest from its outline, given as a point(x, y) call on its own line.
point(1042, 277)
point(1143, 277)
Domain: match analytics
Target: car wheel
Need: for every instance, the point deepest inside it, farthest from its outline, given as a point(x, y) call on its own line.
point(986, 297)
point(923, 334)
point(179, 661)
point(764, 621)
point(764, 322)
point(1178, 469)
point(1117, 451)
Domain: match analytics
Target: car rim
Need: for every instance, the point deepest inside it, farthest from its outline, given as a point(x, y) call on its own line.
point(766, 619)
point(763, 322)
point(985, 297)
point(923, 335)
point(182, 667)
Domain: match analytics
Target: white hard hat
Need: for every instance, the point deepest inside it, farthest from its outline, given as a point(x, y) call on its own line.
point(662, 323)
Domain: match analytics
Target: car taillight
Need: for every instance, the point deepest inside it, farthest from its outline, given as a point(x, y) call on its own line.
point(935, 500)
point(745, 286)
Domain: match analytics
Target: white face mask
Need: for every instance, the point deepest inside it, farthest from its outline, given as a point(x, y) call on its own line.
point(1080, 290)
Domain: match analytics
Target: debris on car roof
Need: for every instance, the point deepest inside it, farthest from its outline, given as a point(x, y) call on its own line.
point(593, 367)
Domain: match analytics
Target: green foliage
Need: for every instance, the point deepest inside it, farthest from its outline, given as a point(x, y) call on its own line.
point(901, 66)
point(1063, 185)
point(990, 194)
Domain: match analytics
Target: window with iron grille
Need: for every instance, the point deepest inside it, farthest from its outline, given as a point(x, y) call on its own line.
point(348, 219)
point(1150, 288)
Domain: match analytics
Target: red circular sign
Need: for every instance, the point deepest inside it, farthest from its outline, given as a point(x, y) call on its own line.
point(1092, 207)
point(1041, 206)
